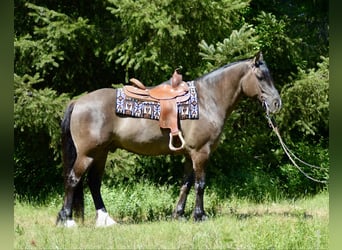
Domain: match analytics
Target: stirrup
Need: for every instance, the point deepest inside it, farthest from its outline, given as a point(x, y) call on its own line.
point(171, 141)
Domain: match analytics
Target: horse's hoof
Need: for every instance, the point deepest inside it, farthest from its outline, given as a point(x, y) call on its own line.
point(178, 217)
point(200, 218)
point(103, 219)
point(182, 218)
point(67, 224)
point(70, 224)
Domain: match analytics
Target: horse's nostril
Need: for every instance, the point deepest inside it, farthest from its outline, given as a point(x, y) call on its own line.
point(277, 104)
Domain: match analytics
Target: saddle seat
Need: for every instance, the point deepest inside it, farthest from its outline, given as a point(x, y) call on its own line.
point(168, 96)
point(162, 91)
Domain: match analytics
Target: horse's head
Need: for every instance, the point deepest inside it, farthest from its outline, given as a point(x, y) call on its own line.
point(258, 82)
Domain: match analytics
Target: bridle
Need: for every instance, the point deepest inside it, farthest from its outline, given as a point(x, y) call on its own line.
point(289, 153)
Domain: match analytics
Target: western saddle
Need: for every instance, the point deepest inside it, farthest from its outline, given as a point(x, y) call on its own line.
point(168, 95)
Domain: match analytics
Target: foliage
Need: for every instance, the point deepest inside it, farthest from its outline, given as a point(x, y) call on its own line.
point(304, 121)
point(130, 168)
point(306, 104)
point(281, 50)
point(294, 33)
point(121, 167)
point(37, 115)
point(53, 49)
point(38, 110)
point(241, 43)
point(137, 203)
point(161, 35)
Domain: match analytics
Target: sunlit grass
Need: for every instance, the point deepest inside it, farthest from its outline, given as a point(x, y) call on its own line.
point(237, 224)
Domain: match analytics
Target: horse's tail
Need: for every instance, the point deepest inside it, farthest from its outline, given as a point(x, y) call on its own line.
point(69, 157)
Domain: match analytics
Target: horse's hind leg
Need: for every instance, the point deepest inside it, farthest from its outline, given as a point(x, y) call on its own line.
point(94, 181)
point(187, 183)
point(73, 197)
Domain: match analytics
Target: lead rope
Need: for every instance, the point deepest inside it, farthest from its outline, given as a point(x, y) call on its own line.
point(288, 151)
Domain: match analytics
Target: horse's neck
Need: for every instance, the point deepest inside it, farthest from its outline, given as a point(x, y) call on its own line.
point(221, 90)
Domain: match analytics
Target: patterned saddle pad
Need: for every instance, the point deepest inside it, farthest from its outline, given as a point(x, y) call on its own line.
point(133, 107)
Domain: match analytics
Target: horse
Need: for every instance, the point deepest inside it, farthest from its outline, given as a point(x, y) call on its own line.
point(91, 129)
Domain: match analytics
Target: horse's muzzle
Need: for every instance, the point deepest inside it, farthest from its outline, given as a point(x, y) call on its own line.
point(276, 104)
point(272, 106)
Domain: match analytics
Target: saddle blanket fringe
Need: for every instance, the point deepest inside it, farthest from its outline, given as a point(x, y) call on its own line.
point(133, 107)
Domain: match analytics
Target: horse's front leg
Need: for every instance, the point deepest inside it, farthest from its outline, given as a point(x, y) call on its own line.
point(187, 183)
point(199, 160)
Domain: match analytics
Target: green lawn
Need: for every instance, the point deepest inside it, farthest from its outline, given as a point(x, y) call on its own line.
point(239, 224)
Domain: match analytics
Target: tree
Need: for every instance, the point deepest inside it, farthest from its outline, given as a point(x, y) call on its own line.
point(306, 105)
point(161, 35)
point(37, 115)
point(55, 52)
point(294, 34)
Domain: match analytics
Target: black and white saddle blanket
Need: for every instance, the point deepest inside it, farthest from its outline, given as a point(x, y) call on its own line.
point(127, 106)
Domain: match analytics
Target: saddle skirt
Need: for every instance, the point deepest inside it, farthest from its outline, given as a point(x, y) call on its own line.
point(135, 102)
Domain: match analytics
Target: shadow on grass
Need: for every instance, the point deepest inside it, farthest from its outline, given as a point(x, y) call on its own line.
point(288, 213)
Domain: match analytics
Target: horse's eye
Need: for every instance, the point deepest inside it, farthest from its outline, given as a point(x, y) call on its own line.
point(260, 77)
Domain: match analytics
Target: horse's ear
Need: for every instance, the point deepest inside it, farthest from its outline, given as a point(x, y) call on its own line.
point(258, 59)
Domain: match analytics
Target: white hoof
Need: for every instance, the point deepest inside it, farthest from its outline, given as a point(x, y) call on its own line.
point(103, 219)
point(68, 224)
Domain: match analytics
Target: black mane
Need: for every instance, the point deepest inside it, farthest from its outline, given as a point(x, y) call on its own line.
point(221, 68)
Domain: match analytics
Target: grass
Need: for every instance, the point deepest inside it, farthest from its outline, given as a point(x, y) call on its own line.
point(237, 224)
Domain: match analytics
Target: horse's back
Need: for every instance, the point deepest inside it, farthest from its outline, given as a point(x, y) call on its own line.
point(103, 94)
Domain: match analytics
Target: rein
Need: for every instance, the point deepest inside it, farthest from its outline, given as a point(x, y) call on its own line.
point(288, 152)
